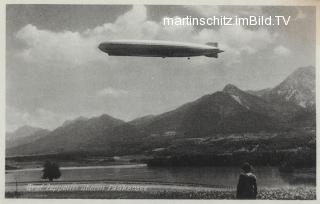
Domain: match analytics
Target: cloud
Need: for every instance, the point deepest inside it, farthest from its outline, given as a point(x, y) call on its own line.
point(210, 11)
point(281, 51)
point(207, 11)
point(132, 25)
point(78, 49)
point(73, 49)
point(247, 42)
point(111, 92)
point(39, 118)
point(44, 46)
point(69, 48)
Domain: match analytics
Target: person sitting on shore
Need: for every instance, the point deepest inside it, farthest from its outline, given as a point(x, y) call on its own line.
point(247, 185)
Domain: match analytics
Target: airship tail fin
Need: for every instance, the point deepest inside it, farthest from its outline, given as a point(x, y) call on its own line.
point(213, 44)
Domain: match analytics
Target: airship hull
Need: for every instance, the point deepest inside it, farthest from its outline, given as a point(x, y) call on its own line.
point(157, 49)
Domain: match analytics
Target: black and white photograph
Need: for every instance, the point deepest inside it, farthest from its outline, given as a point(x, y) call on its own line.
point(159, 101)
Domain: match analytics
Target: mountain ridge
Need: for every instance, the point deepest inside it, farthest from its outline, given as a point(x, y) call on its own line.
point(228, 111)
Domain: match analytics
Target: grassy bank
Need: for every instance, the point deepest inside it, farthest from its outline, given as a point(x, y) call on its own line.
point(291, 193)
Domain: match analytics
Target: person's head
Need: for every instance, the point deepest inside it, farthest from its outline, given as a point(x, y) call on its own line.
point(246, 167)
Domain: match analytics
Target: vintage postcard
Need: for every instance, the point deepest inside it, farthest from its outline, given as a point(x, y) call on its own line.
point(160, 100)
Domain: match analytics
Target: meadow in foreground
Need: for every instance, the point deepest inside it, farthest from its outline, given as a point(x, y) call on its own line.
point(290, 193)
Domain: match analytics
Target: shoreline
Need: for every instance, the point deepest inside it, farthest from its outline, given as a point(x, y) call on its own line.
point(82, 167)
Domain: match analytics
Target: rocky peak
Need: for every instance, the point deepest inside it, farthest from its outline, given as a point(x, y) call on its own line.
point(231, 89)
point(297, 88)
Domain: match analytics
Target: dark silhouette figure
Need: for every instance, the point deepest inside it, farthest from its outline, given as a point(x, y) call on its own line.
point(247, 185)
point(51, 171)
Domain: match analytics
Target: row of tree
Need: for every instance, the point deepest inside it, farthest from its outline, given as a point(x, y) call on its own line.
point(305, 158)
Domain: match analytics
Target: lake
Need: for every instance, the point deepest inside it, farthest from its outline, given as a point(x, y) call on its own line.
point(212, 176)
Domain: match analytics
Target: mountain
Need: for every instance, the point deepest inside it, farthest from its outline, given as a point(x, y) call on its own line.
point(298, 89)
point(23, 135)
point(251, 102)
point(142, 120)
point(230, 110)
point(41, 133)
point(69, 137)
point(68, 122)
point(294, 97)
point(160, 124)
point(234, 110)
point(21, 132)
point(122, 139)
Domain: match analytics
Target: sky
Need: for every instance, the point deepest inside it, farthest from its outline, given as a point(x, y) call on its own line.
point(55, 72)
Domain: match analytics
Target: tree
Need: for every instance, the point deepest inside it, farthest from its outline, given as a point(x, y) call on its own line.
point(51, 171)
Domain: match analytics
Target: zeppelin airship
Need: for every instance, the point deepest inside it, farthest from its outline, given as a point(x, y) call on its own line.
point(157, 48)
